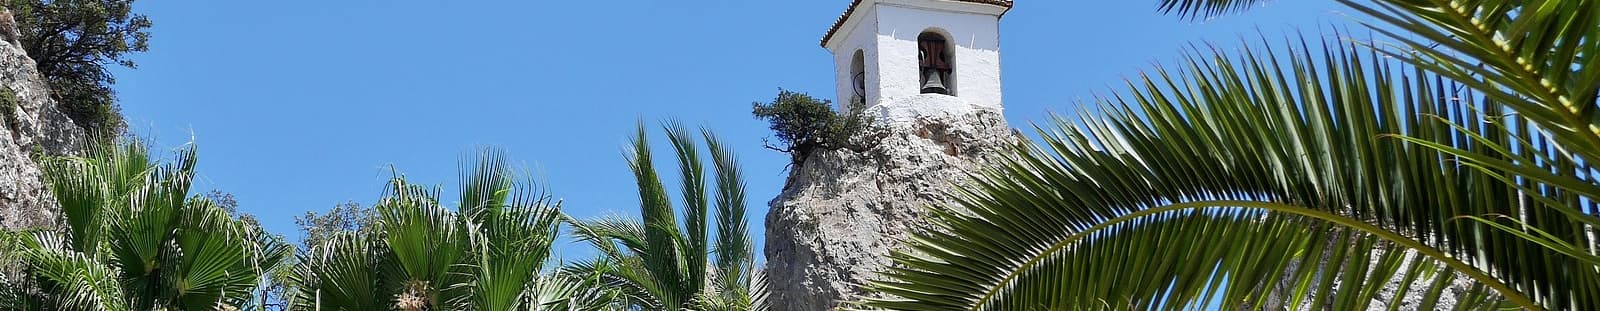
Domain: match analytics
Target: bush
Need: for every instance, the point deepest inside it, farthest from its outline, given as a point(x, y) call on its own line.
point(8, 107)
point(805, 124)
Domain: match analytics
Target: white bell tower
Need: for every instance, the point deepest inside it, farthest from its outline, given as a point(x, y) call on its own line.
point(947, 51)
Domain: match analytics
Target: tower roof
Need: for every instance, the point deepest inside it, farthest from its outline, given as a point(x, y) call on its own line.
point(846, 16)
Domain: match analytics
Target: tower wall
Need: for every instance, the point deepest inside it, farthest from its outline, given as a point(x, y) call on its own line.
point(974, 37)
point(857, 34)
point(886, 32)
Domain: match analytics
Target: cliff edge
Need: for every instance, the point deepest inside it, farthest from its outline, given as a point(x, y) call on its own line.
point(31, 125)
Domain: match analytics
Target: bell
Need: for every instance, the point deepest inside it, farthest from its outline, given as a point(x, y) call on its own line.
point(932, 83)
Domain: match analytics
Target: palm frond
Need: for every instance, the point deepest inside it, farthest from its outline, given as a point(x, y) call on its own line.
point(514, 242)
point(654, 263)
point(342, 274)
point(569, 292)
point(620, 242)
point(662, 236)
point(1199, 9)
point(624, 277)
point(607, 233)
point(1253, 146)
point(72, 280)
point(140, 236)
point(1537, 57)
point(484, 255)
point(212, 249)
point(696, 208)
point(735, 292)
point(100, 182)
point(485, 181)
point(733, 246)
point(427, 241)
point(760, 290)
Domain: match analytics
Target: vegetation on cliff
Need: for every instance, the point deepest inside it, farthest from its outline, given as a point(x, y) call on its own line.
point(74, 43)
point(805, 124)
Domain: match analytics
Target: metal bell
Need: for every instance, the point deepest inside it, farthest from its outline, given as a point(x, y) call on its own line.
point(933, 83)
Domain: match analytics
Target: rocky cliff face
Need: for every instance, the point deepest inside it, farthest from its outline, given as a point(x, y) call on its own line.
point(31, 125)
point(842, 212)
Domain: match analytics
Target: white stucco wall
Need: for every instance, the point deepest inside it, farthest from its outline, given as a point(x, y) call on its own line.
point(856, 34)
point(887, 30)
point(976, 41)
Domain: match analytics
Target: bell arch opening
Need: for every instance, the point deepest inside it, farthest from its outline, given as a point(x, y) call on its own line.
point(858, 78)
point(936, 58)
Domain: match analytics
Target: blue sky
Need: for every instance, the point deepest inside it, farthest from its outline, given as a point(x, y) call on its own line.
point(299, 105)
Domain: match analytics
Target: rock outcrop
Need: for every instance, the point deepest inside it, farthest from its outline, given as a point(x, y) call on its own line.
point(841, 212)
point(31, 125)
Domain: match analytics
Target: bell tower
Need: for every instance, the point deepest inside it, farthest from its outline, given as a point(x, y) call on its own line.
point(888, 51)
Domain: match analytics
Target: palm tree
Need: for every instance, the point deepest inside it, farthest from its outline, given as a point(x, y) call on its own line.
point(489, 253)
point(135, 239)
point(659, 265)
point(1303, 176)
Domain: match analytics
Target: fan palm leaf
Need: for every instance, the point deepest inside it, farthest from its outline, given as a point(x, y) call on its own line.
point(488, 253)
point(135, 239)
point(71, 280)
point(566, 291)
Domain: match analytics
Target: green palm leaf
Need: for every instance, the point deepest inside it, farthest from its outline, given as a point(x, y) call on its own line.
point(514, 237)
point(428, 243)
point(215, 264)
point(489, 253)
point(136, 240)
point(342, 274)
point(1198, 9)
point(72, 280)
point(733, 246)
point(1205, 185)
point(657, 265)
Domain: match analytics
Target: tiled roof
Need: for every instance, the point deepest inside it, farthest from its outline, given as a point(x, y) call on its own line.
point(854, 4)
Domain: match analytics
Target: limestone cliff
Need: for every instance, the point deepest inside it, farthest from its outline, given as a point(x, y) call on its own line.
point(842, 212)
point(31, 124)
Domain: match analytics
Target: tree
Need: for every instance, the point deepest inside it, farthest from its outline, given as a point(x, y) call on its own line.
point(134, 239)
point(660, 266)
point(229, 204)
point(486, 254)
point(1208, 184)
point(316, 229)
point(805, 125)
point(73, 42)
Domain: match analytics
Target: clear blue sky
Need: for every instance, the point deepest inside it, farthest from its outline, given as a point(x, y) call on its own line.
point(297, 105)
